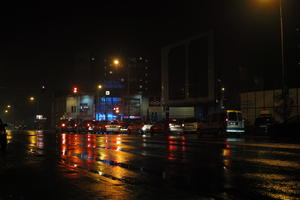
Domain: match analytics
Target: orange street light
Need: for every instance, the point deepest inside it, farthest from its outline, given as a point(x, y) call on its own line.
point(116, 62)
point(31, 98)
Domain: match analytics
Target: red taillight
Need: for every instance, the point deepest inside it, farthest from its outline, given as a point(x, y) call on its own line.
point(88, 125)
point(75, 125)
point(106, 126)
point(63, 125)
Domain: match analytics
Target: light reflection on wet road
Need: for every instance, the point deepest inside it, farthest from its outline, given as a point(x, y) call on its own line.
point(91, 166)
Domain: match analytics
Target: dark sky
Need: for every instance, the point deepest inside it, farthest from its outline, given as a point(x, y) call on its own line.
point(51, 43)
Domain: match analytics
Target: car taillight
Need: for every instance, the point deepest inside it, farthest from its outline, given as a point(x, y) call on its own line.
point(88, 125)
point(63, 125)
point(106, 126)
point(75, 125)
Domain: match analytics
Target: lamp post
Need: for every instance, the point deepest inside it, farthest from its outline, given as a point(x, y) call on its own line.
point(285, 92)
point(282, 45)
point(99, 88)
point(34, 101)
point(117, 63)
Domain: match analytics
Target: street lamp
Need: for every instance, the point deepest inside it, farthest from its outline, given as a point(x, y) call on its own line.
point(99, 88)
point(283, 70)
point(285, 92)
point(33, 101)
point(117, 63)
point(282, 43)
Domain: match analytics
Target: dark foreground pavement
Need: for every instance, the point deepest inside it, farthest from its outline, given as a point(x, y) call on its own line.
point(45, 165)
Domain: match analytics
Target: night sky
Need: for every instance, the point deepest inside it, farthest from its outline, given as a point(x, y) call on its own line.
point(52, 43)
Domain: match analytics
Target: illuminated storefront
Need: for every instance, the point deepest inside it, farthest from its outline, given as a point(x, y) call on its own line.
point(108, 108)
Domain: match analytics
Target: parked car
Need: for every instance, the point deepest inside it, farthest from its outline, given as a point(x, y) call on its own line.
point(290, 128)
point(191, 125)
point(167, 126)
point(263, 123)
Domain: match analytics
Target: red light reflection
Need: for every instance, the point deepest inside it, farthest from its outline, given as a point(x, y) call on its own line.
point(176, 147)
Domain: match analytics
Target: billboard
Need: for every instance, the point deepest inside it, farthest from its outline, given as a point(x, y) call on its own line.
point(188, 72)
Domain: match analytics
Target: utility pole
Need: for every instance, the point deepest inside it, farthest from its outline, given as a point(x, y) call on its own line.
point(285, 92)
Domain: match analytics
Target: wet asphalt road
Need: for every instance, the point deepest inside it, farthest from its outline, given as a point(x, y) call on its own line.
point(45, 165)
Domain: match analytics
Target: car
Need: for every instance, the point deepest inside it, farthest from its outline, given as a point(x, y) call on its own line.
point(263, 123)
point(167, 127)
point(20, 127)
point(146, 128)
point(67, 126)
point(191, 125)
point(94, 126)
point(99, 126)
point(113, 126)
point(290, 128)
point(124, 127)
point(86, 126)
point(135, 127)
